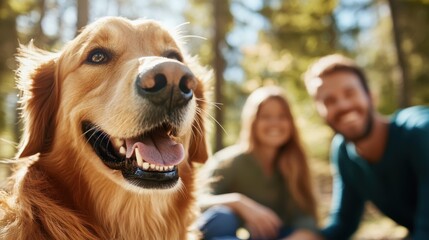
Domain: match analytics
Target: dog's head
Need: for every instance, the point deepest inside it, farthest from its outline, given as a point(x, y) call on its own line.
point(123, 95)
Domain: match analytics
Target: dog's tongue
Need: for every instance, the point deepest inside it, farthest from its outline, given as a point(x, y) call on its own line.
point(157, 148)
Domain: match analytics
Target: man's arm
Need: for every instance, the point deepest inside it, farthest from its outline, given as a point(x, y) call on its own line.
point(346, 212)
point(421, 166)
point(347, 206)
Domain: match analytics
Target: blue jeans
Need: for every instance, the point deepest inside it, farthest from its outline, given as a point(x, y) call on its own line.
point(221, 223)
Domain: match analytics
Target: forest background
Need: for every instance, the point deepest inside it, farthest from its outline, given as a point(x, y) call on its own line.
point(249, 44)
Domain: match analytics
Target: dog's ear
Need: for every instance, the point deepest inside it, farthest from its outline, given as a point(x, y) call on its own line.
point(36, 79)
point(198, 149)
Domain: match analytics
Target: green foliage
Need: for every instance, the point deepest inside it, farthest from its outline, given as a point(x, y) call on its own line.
point(294, 33)
point(20, 6)
point(301, 31)
point(415, 42)
point(304, 27)
point(298, 32)
point(377, 54)
point(8, 45)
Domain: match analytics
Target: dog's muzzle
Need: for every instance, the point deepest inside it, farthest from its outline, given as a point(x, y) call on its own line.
point(150, 160)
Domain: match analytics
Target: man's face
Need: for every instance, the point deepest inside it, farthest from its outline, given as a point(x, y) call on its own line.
point(342, 101)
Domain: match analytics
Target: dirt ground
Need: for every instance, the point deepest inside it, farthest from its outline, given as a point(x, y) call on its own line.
point(373, 227)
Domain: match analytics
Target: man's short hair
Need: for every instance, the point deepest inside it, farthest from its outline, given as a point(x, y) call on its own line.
point(330, 64)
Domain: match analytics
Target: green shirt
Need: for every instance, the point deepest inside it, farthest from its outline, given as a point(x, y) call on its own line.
point(233, 171)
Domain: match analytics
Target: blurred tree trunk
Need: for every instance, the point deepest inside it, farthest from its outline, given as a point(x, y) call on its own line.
point(220, 8)
point(404, 82)
point(8, 121)
point(8, 46)
point(82, 14)
point(42, 39)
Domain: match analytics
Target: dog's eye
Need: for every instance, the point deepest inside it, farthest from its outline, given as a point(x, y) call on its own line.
point(98, 56)
point(174, 55)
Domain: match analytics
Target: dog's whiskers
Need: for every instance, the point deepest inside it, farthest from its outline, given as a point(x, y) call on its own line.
point(9, 142)
point(93, 128)
point(192, 36)
point(213, 118)
point(210, 103)
point(179, 27)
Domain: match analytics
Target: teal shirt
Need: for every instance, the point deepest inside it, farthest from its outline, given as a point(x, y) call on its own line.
point(231, 171)
point(398, 184)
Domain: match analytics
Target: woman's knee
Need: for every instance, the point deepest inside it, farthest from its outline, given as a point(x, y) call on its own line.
point(218, 221)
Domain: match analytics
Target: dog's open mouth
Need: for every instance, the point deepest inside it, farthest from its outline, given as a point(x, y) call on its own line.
point(148, 161)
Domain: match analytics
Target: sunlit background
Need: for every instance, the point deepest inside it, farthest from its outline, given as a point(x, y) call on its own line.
point(249, 44)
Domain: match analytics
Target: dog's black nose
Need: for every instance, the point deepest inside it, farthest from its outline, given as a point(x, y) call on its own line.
point(166, 82)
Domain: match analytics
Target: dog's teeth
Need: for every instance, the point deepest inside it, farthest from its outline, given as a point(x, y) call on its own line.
point(139, 157)
point(122, 150)
point(157, 167)
point(145, 165)
point(152, 166)
point(170, 168)
point(117, 142)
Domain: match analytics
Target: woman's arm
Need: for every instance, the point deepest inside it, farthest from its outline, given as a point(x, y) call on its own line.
point(261, 221)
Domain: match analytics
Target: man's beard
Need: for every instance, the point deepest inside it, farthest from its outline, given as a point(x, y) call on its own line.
point(369, 124)
point(367, 130)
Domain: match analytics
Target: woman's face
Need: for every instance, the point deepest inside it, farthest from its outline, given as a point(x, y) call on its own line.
point(272, 126)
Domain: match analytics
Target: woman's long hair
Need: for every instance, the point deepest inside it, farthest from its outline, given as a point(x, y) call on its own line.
point(290, 157)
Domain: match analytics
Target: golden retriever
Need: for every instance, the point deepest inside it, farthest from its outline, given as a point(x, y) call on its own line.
point(112, 124)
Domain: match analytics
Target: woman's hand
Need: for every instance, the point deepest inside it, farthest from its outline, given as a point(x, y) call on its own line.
point(302, 234)
point(261, 221)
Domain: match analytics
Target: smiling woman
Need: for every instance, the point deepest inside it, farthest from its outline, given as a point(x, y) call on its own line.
point(263, 182)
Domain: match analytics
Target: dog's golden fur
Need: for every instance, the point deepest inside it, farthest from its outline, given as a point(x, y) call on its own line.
point(62, 190)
